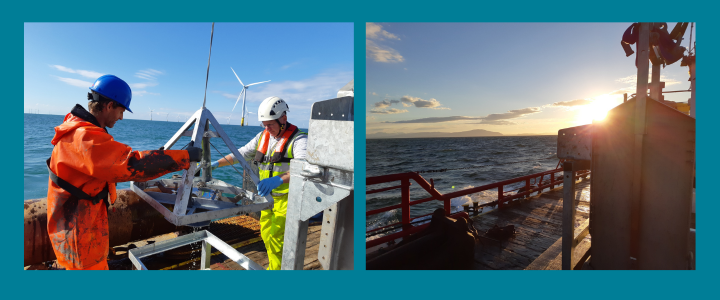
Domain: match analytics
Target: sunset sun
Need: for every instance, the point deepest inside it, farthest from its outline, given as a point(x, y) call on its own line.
point(597, 109)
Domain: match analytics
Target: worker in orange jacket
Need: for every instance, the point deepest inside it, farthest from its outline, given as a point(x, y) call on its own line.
point(85, 166)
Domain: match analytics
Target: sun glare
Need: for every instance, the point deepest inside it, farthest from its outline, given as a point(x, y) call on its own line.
point(597, 109)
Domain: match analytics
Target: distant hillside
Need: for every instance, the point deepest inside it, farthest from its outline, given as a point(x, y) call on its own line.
point(534, 134)
point(471, 133)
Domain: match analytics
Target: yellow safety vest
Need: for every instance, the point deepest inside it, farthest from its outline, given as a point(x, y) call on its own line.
point(269, 169)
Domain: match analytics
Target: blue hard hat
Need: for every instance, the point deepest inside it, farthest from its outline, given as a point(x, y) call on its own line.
point(114, 88)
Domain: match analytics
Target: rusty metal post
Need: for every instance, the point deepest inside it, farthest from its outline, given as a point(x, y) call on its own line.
point(568, 224)
point(527, 187)
point(405, 201)
point(639, 132)
point(500, 196)
point(624, 97)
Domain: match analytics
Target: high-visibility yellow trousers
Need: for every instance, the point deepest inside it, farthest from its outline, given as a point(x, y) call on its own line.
point(272, 231)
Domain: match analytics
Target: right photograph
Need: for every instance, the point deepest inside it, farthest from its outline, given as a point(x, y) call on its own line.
point(530, 146)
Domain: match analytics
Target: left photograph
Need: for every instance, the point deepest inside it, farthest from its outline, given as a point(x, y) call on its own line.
point(188, 146)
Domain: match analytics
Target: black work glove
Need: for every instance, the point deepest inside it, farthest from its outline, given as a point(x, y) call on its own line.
point(194, 153)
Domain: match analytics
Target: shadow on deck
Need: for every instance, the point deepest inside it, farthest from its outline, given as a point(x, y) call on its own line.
point(538, 226)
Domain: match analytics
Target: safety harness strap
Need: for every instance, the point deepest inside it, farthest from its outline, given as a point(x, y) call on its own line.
point(280, 157)
point(76, 192)
point(277, 156)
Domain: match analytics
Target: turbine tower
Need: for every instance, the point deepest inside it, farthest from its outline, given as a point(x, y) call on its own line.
point(167, 117)
point(151, 114)
point(243, 92)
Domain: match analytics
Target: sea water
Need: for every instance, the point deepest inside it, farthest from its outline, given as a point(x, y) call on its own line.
point(480, 160)
point(138, 134)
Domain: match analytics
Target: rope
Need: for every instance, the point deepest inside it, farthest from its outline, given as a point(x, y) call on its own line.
point(208, 68)
point(223, 156)
point(472, 167)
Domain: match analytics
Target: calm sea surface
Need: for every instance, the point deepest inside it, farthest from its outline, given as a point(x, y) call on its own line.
point(490, 159)
point(138, 134)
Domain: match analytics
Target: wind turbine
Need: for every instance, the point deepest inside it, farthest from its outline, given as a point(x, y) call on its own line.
point(247, 112)
point(167, 117)
point(243, 92)
point(151, 114)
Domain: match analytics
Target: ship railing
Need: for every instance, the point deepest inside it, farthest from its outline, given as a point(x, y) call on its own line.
point(533, 183)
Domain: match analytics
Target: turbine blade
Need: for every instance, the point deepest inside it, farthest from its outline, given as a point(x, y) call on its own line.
point(237, 76)
point(238, 99)
point(258, 83)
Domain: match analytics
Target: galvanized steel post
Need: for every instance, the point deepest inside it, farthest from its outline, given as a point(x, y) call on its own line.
point(643, 47)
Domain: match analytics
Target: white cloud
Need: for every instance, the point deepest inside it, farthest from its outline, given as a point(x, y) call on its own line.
point(491, 119)
point(148, 74)
point(374, 94)
point(75, 82)
point(628, 90)
point(380, 53)
point(421, 103)
point(512, 114)
point(439, 119)
point(143, 93)
point(571, 103)
point(375, 32)
point(629, 79)
point(497, 122)
point(226, 94)
point(632, 79)
point(142, 85)
point(382, 104)
point(389, 111)
point(302, 93)
point(84, 73)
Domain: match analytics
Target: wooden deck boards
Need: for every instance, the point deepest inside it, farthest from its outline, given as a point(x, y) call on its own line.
point(538, 226)
point(257, 253)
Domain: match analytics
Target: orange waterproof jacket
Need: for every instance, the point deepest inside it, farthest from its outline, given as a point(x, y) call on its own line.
point(87, 157)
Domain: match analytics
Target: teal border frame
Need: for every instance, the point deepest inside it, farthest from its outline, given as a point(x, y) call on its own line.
point(358, 283)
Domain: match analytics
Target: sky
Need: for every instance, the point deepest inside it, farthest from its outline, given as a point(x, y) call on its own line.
point(166, 65)
point(512, 78)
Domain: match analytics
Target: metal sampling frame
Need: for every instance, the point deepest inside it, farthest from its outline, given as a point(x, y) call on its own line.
point(208, 202)
point(324, 183)
point(208, 241)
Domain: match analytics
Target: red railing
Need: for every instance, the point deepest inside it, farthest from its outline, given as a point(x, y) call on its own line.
point(406, 221)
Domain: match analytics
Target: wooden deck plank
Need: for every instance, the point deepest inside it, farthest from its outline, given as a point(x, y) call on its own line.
point(258, 254)
point(538, 226)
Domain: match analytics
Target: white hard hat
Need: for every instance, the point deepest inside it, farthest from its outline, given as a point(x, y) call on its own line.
point(272, 108)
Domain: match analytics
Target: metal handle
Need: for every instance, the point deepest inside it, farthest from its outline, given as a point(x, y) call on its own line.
point(311, 171)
